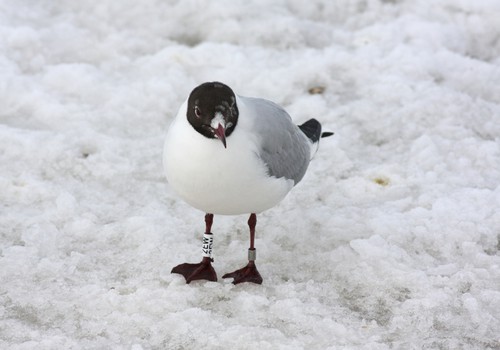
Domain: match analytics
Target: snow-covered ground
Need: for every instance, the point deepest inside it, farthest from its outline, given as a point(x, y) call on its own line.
point(390, 242)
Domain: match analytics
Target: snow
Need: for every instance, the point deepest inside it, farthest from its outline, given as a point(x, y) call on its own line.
point(391, 240)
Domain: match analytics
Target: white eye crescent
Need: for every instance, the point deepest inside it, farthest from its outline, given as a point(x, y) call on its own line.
point(197, 111)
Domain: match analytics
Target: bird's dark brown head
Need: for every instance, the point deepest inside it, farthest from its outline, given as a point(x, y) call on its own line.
point(212, 110)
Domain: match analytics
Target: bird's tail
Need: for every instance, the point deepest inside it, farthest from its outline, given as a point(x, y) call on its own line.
point(312, 129)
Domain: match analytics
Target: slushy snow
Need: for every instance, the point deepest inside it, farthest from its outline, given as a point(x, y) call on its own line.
point(391, 241)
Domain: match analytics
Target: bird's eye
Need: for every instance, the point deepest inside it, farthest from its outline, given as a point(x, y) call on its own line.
point(197, 111)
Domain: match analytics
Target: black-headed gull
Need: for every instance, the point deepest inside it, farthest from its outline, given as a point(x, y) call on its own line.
point(228, 154)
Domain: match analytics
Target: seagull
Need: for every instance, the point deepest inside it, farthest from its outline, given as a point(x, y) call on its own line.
point(226, 154)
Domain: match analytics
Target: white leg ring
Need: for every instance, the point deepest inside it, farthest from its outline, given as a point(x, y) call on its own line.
point(208, 241)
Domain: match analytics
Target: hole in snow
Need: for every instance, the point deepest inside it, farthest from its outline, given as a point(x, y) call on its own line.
point(382, 181)
point(316, 90)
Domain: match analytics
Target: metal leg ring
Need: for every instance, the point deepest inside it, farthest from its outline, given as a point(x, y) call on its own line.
point(252, 254)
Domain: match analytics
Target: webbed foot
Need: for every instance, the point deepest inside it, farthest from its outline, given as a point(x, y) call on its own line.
point(201, 271)
point(247, 274)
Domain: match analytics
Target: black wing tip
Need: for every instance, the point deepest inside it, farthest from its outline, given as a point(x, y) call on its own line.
point(312, 129)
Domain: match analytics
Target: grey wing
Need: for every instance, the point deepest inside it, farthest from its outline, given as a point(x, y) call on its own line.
point(284, 148)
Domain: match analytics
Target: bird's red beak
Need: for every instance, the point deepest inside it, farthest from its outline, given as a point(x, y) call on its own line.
point(220, 132)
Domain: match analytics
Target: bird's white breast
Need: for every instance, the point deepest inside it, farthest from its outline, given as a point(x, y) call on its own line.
point(220, 180)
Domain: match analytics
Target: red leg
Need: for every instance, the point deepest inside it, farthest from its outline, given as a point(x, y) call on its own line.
point(209, 220)
point(249, 273)
point(252, 222)
point(204, 269)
